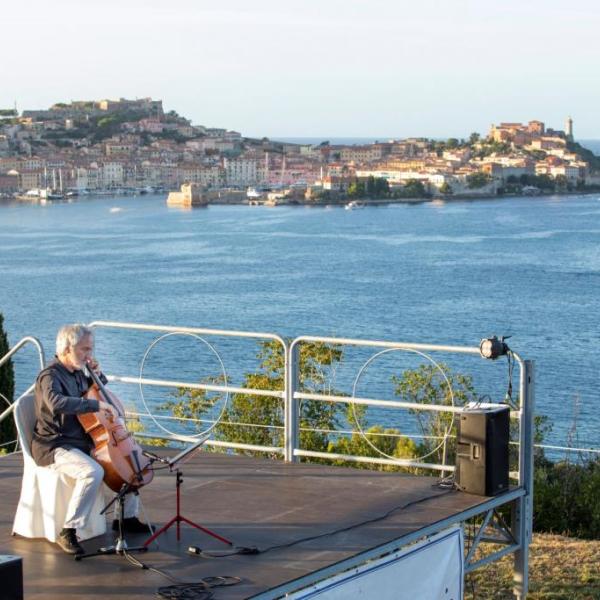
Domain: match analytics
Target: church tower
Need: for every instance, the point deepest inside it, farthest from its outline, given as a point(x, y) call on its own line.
point(569, 129)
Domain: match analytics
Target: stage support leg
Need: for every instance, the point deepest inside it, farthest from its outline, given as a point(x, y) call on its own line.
point(522, 514)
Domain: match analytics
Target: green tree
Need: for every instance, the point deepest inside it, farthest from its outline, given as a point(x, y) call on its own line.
point(561, 182)
point(585, 154)
point(375, 438)
point(382, 187)
point(370, 186)
point(8, 431)
point(566, 498)
point(477, 180)
point(427, 385)
point(474, 138)
point(258, 420)
point(446, 189)
point(414, 189)
point(356, 189)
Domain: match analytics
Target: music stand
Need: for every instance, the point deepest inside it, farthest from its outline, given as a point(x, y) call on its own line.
point(179, 518)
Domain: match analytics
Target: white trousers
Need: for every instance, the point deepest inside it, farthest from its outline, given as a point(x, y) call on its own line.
point(88, 476)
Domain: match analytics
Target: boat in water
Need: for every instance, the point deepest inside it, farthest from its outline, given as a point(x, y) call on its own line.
point(354, 204)
point(40, 195)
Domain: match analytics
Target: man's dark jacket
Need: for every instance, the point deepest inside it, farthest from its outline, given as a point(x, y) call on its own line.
point(58, 399)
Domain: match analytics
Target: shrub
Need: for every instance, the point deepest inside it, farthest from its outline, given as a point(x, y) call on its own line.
point(566, 498)
point(8, 431)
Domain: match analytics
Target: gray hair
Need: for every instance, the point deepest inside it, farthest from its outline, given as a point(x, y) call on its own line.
point(70, 335)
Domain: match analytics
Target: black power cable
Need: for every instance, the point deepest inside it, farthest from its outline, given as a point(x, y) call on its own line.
point(180, 590)
point(195, 591)
point(200, 590)
point(199, 552)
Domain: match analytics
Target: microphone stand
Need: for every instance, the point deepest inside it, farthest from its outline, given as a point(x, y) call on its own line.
point(120, 546)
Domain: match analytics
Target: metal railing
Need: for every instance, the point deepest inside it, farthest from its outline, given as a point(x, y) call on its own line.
point(292, 395)
point(16, 348)
point(167, 329)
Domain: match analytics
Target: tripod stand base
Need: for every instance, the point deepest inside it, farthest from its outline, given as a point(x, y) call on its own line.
point(180, 519)
point(108, 550)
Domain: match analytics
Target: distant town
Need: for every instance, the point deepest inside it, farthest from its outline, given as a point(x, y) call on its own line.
point(134, 147)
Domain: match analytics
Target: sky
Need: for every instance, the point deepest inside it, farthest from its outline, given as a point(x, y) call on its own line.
point(315, 68)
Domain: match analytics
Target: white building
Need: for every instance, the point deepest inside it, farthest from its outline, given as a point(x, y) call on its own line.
point(241, 171)
point(112, 174)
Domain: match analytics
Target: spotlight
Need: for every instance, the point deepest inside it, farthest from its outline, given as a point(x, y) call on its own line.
point(493, 347)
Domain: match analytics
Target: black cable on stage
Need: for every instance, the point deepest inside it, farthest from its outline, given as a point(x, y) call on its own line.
point(200, 590)
point(237, 551)
point(180, 590)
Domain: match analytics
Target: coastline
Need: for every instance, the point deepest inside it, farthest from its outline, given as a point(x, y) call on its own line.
point(341, 203)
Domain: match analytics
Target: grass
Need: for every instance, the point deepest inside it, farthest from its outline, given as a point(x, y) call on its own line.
point(560, 568)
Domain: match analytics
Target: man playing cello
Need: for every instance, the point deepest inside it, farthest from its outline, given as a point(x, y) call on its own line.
point(60, 440)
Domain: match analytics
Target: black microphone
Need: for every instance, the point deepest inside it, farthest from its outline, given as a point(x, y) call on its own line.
point(154, 457)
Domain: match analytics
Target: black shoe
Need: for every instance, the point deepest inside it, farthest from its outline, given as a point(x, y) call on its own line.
point(67, 540)
point(132, 525)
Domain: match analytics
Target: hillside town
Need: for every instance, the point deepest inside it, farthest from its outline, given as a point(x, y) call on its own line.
point(134, 146)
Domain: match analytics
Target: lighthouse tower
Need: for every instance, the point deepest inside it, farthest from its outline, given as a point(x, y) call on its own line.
point(569, 129)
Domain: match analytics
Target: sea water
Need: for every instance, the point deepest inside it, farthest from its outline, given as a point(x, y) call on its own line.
point(437, 272)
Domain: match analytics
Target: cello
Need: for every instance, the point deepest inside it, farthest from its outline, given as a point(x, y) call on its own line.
point(115, 448)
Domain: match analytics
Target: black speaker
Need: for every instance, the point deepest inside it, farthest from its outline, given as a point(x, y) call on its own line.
point(482, 450)
point(11, 576)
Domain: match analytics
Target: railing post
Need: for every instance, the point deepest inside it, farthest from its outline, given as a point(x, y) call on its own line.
point(523, 508)
point(3, 359)
point(291, 425)
point(26, 340)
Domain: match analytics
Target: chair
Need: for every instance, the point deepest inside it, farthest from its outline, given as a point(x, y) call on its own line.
point(45, 493)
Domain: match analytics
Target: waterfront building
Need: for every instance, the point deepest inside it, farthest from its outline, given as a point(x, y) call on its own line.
point(190, 195)
point(9, 182)
point(29, 180)
point(241, 171)
point(111, 174)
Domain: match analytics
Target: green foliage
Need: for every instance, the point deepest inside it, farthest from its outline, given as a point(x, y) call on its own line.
point(587, 155)
point(356, 189)
point(258, 420)
point(377, 187)
point(413, 188)
point(474, 138)
point(389, 444)
point(565, 498)
point(561, 183)
point(543, 182)
point(134, 425)
point(189, 403)
point(106, 127)
point(427, 385)
point(477, 180)
point(8, 431)
point(446, 189)
point(536, 154)
point(489, 146)
point(371, 187)
point(174, 135)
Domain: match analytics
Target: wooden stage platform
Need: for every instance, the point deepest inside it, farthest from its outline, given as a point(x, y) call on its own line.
point(252, 501)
